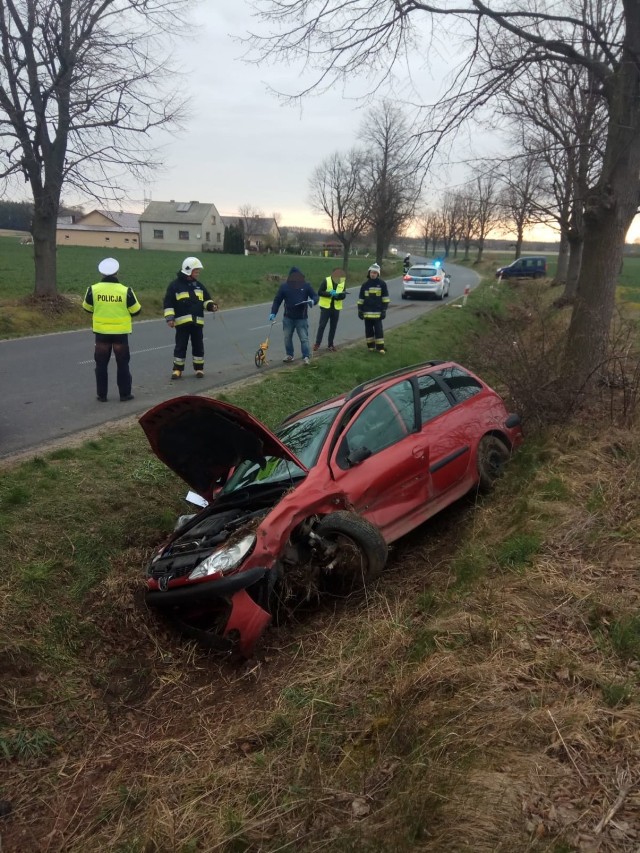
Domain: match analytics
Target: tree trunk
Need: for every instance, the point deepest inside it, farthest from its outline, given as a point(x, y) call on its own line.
point(609, 212)
point(44, 250)
point(480, 249)
point(576, 246)
point(519, 241)
point(563, 259)
point(346, 248)
point(593, 310)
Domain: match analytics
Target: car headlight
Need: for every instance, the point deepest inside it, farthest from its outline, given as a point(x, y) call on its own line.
point(222, 561)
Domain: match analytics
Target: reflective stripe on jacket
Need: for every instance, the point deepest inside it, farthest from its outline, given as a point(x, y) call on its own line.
point(374, 299)
point(327, 301)
point(112, 304)
point(185, 301)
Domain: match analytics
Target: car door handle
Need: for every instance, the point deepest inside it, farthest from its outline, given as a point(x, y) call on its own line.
point(418, 452)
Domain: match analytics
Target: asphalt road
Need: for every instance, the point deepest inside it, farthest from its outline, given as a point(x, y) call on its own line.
point(47, 382)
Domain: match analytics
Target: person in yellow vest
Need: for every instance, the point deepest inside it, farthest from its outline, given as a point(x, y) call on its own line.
point(332, 292)
point(112, 305)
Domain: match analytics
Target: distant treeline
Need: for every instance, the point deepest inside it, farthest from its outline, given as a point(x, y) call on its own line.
point(16, 215)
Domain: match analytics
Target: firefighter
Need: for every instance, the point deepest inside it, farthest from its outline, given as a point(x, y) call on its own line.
point(332, 292)
point(111, 305)
point(373, 302)
point(184, 304)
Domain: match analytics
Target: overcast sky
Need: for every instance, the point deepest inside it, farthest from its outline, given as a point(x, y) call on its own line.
point(244, 145)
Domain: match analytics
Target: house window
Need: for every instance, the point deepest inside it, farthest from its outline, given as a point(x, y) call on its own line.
point(66, 236)
point(183, 235)
point(207, 237)
point(213, 220)
point(218, 236)
point(134, 239)
point(126, 239)
point(107, 239)
point(158, 234)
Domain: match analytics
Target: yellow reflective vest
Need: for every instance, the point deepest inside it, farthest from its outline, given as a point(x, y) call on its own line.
point(326, 300)
point(112, 305)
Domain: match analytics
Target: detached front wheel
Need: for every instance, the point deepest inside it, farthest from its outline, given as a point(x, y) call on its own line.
point(493, 455)
point(352, 551)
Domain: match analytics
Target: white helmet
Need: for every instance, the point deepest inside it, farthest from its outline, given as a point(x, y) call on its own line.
point(189, 265)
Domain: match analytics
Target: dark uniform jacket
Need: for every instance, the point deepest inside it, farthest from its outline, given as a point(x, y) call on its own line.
point(185, 301)
point(297, 294)
point(373, 300)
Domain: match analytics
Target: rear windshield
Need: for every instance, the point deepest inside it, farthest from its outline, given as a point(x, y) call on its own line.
point(424, 272)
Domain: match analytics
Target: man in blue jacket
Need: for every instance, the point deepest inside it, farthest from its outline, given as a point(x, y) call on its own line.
point(298, 296)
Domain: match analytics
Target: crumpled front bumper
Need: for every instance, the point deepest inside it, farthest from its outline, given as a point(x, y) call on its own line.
point(247, 617)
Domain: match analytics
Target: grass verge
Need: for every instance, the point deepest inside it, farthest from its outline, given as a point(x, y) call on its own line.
point(483, 697)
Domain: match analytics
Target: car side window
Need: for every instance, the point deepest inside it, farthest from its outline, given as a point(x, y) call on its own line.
point(386, 420)
point(461, 385)
point(433, 400)
point(402, 397)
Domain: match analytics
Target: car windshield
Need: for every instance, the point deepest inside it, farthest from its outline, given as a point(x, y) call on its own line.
point(423, 272)
point(303, 437)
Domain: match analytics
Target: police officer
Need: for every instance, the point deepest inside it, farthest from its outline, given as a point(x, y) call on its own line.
point(332, 292)
point(112, 305)
point(184, 304)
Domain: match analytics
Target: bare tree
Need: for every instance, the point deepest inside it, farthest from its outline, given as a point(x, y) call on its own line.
point(277, 217)
point(341, 39)
point(451, 221)
point(468, 221)
point(76, 98)
point(429, 224)
point(250, 217)
point(561, 119)
point(390, 175)
point(337, 190)
point(486, 198)
point(522, 186)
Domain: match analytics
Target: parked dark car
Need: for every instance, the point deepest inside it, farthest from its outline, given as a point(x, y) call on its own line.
point(529, 267)
point(313, 506)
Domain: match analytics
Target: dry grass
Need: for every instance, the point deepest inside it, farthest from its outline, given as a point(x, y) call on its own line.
point(496, 715)
point(483, 697)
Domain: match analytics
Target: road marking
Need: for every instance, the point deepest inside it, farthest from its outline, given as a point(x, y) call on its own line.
point(134, 352)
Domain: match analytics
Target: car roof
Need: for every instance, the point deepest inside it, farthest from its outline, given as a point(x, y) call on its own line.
point(368, 386)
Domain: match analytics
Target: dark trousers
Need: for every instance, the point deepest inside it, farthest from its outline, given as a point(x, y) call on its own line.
point(119, 344)
point(189, 332)
point(330, 316)
point(374, 333)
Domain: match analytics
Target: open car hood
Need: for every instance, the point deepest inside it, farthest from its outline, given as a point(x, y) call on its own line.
point(202, 440)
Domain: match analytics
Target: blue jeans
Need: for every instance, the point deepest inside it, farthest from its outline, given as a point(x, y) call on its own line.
point(302, 328)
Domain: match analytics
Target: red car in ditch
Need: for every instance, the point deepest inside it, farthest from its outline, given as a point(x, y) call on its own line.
point(313, 505)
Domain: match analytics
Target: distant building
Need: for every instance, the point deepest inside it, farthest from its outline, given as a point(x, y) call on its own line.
point(181, 226)
point(260, 232)
point(105, 228)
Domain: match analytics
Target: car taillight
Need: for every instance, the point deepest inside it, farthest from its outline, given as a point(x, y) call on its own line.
point(406, 278)
point(435, 278)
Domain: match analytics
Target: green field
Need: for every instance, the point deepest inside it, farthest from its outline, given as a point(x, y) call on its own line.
point(232, 280)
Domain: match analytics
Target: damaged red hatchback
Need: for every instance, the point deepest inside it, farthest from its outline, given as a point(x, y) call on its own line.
point(313, 505)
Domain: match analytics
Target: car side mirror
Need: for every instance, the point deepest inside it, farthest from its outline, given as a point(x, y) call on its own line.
point(358, 456)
